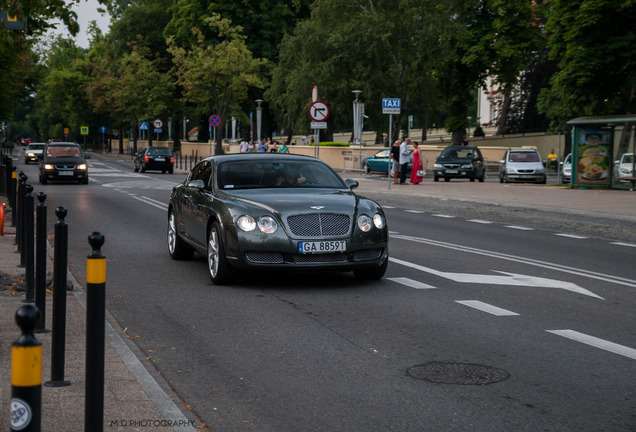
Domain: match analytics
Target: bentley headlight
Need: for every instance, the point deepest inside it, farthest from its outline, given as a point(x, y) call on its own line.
point(437, 166)
point(467, 166)
point(364, 223)
point(378, 221)
point(246, 223)
point(81, 166)
point(267, 224)
point(48, 167)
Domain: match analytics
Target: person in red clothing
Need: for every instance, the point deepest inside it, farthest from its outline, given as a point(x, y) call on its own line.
point(417, 164)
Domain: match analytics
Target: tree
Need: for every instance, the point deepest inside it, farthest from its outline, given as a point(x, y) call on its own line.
point(215, 74)
point(594, 44)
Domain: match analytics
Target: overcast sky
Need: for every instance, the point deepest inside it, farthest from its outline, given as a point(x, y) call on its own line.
point(86, 12)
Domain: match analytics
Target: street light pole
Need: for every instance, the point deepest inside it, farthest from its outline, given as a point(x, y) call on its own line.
point(259, 117)
point(357, 117)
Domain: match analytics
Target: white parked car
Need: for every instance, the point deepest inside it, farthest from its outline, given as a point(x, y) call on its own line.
point(522, 165)
point(625, 167)
point(566, 169)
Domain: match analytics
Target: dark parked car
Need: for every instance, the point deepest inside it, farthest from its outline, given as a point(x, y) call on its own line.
point(33, 152)
point(63, 161)
point(154, 159)
point(460, 162)
point(271, 212)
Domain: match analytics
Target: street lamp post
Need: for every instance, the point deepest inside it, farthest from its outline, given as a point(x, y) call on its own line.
point(259, 118)
point(358, 112)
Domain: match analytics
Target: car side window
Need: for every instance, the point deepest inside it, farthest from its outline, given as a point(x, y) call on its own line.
point(203, 171)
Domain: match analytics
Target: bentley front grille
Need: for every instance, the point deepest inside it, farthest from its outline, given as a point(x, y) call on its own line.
point(319, 224)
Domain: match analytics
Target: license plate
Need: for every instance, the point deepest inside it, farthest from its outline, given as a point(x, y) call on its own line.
point(65, 173)
point(159, 159)
point(452, 171)
point(322, 246)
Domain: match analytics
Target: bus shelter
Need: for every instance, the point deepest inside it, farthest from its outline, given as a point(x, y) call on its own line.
point(603, 151)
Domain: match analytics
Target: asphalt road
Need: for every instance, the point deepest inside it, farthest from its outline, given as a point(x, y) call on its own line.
point(480, 324)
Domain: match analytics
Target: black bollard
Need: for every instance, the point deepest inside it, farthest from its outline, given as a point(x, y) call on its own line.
point(18, 213)
point(12, 194)
point(29, 246)
point(58, 337)
point(40, 262)
point(95, 335)
point(26, 374)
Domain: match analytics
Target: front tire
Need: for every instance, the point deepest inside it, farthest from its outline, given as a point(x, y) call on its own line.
point(218, 267)
point(371, 273)
point(178, 249)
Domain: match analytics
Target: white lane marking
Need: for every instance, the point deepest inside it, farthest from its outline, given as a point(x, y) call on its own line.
point(414, 211)
point(411, 283)
point(151, 202)
point(528, 261)
point(520, 228)
point(479, 221)
point(388, 207)
point(485, 307)
point(596, 342)
point(623, 244)
point(512, 279)
point(444, 216)
point(572, 236)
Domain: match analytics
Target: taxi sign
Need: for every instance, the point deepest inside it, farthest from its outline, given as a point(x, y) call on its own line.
point(391, 105)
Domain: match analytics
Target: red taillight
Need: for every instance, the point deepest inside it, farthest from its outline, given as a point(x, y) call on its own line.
point(147, 159)
point(171, 159)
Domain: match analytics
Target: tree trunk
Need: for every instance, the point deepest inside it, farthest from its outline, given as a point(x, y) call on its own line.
point(503, 116)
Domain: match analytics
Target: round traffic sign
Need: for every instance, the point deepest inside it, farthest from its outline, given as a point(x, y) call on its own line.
point(215, 120)
point(157, 124)
point(318, 111)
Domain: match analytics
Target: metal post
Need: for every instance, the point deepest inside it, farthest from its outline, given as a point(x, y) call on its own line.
point(18, 212)
point(95, 335)
point(40, 262)
point(12, 194)
point(58, 337)
point(29, 271)
point(26, 374)
point(259, 118)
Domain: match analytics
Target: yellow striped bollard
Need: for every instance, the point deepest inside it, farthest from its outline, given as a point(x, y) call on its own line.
point(95, 335)
point(26, 374)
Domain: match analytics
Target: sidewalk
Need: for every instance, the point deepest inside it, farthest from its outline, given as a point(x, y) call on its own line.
point(133, 401)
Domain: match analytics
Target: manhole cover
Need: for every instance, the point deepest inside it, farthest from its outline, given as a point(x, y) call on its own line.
point(458, 373)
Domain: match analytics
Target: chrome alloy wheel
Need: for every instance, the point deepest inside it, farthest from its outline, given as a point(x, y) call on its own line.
point(213, 253)
point(172, 234)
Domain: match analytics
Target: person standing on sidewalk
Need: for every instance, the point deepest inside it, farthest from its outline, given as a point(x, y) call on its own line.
point(395, 161)
point(417, 164)
point(405, 158)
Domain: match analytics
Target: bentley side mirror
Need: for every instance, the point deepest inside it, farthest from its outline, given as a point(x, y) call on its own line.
point(351, 183)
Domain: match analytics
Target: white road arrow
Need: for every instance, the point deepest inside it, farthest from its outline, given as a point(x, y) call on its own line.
point(511, 279)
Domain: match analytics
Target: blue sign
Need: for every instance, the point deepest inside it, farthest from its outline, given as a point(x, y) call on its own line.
point(215, 120)
point(143, 125)
point(158, 130)
point(102, 130)
point(391, 105)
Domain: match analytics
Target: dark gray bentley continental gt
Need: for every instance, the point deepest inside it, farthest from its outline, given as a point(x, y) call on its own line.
point(271, 212)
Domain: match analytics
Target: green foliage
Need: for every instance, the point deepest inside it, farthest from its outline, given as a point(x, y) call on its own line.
point(331, 144)
point(216, 73)
point(594, 43)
